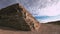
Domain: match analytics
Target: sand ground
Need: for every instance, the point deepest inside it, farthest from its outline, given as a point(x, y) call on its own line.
point(44, 29)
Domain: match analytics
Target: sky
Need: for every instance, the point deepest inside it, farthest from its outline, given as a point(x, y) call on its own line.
point(42, 7)
point(5, 3)
point(43, 10)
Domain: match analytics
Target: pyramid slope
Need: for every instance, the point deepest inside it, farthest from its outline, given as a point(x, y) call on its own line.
point(15, 16)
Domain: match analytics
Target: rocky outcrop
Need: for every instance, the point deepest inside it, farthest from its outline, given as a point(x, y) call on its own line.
point(16, 16)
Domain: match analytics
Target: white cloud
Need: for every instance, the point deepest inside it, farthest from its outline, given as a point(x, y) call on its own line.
point(43, 8)
point(50, 10)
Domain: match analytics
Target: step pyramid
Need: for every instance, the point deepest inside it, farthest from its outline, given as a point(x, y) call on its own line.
point(16, 16)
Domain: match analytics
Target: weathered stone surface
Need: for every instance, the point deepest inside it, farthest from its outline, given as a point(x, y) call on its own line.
point(16, 16)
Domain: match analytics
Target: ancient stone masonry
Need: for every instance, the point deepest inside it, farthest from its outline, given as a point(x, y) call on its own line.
point(16, 16)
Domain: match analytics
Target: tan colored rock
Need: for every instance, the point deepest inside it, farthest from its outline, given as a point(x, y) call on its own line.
point(16, 16)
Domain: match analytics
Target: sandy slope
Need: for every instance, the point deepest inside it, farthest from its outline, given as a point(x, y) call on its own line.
point(45, 29)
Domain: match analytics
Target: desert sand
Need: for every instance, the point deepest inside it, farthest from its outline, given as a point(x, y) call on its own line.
point(44, 29)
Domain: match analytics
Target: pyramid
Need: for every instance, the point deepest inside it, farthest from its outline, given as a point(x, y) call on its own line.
point(16, 16)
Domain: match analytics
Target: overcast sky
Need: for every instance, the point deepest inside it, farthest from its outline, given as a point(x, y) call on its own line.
point(5, 3)
point(44, 10)
point(37, 7)
point(42, 7)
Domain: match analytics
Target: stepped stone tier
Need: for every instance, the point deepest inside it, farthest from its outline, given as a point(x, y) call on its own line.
point(16, 16)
